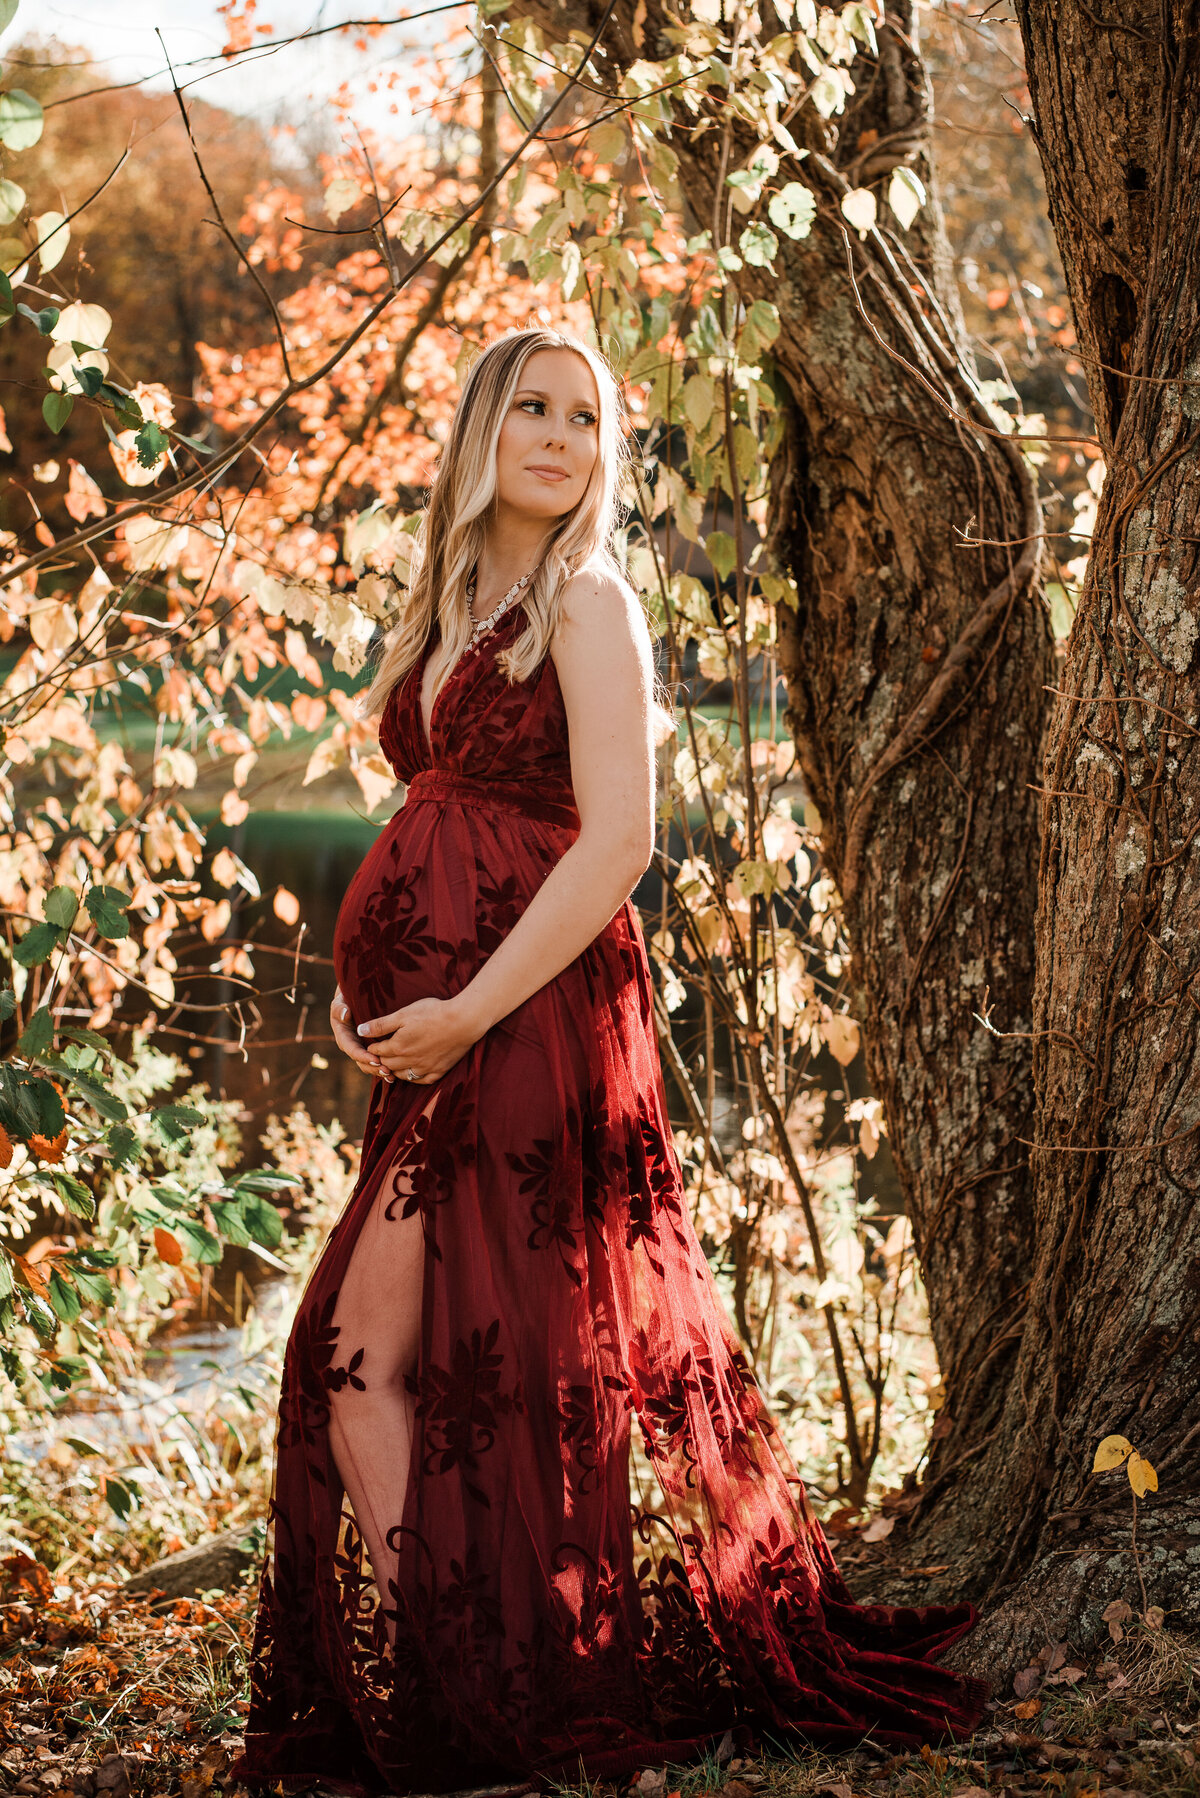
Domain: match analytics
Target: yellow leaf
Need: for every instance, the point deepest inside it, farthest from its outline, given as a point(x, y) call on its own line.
point(1142, 1476)
point(215, 921)
point(324, 758)
point(12, 199)
point(699, 399)
point(286, 906)
point(82, 323)
point(1111, 1452)
point(53, 235)
point(841, 1035)
point(341, 195)
point(374, 776)
point(224, 868)
point(52, 627)
point(859, 208)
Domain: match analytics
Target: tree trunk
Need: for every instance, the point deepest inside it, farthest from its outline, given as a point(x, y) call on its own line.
point(915, 669)
point(1112, 1333)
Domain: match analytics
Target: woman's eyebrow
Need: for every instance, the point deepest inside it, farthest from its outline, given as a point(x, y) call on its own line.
point(537, 394)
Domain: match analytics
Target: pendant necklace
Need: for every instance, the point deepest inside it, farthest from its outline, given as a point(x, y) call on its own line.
point(485, 624)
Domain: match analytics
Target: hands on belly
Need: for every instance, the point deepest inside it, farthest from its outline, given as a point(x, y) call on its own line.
point(421, 1041)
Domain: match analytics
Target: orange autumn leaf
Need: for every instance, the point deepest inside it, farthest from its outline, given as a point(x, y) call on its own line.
point(6, 1148)
point(168, 1246)
point(47, 1148)
point(35, 1277)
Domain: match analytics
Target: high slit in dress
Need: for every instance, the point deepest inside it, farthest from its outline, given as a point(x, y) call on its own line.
point(560, 1605)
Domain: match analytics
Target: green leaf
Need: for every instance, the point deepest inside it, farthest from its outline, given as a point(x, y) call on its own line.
point(793, 209)
point(205, 1247)
point(123, 1145)
point(759, 245)
point(263, 1221)
point(64, 1298)
point(91, 379)
point(82, 1446)
point(92, 1039)
point(227, 1214)
point(39, 1313)
point(150, 443)
point(264, 1179)
point(112, 1109)
point(37, 945)
point(45, 319)
point(75, 1196)
point(8, 304)
point(173, 1121)
point(61, 907)
point(37, 1035)
point(106, 907)
point(94, 1287)
point(721, 551)
point(57, 408)
point(39, 1106)
point(6, 1276)
point(21, 119)
point(8, 1004)
point(204, 449)
point(122, 1495)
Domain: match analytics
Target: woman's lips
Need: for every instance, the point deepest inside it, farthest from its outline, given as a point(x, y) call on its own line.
point(550, 474)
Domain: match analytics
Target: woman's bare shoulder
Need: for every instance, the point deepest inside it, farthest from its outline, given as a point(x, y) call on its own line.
point(598, 596)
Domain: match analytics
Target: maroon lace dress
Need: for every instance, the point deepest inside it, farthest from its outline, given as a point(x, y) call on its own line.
point(543, 1608)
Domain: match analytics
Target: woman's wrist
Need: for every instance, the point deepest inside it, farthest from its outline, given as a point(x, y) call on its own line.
point(469, 1014)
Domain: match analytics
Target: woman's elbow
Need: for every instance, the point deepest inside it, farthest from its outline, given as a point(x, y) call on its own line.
point(622, 858)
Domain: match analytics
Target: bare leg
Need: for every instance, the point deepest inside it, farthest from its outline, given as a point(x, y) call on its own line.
point(371, 1431)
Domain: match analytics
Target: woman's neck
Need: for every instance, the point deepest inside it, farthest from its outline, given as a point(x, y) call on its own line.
point(509, 551)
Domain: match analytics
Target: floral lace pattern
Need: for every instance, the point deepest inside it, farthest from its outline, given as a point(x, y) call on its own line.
point(553, 1598)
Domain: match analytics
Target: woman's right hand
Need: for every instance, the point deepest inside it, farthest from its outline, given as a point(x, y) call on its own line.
point(351, 1044)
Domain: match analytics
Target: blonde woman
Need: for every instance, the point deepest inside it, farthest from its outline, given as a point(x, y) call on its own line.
point(459, 1588)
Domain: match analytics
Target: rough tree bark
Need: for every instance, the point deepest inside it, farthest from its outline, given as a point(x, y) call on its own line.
point(915, 669)
point(1112, 1333)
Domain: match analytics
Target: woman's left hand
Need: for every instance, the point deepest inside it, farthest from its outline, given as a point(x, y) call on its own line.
point(428, 1037)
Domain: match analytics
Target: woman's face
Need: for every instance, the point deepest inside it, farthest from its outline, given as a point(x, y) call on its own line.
point(550, 439)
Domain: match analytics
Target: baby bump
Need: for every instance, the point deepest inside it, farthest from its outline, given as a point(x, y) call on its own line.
point(388, 949)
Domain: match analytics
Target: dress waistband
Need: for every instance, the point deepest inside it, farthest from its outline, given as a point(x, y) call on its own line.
point(490, 795)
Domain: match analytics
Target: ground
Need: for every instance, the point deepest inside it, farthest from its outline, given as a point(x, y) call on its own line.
point(108, 1696)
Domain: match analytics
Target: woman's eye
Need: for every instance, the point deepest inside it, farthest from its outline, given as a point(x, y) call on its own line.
point(589, 418)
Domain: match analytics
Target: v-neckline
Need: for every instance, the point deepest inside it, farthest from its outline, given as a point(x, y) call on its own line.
point(426, 730)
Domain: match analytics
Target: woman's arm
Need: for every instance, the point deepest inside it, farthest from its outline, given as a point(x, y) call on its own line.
point(602, 657)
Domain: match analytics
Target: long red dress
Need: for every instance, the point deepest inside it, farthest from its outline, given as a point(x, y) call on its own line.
point(542, 1617)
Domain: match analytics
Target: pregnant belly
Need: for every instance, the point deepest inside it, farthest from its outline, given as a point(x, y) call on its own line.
point(439, 890)
point(389, 943)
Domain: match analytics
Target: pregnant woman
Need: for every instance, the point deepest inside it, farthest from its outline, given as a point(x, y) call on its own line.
point(461, 1587)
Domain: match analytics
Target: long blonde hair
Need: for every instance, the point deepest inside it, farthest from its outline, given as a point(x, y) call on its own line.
point(453, 526)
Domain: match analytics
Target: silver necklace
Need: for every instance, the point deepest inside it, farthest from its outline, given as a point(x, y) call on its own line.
point(485, 624)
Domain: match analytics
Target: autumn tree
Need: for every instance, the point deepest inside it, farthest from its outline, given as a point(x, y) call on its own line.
point(1021, 963)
